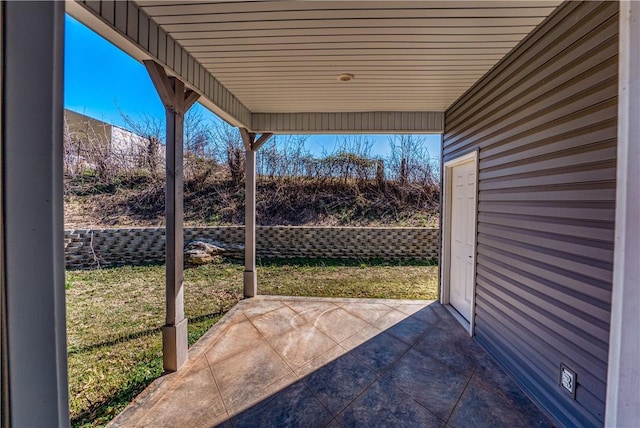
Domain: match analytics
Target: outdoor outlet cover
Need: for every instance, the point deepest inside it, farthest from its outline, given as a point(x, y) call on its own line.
point(568, 380)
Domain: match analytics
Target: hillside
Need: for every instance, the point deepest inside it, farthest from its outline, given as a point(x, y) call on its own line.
point(214, 199)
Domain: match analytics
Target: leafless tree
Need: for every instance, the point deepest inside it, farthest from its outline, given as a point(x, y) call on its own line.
point(284, 156)
point(410, 160)
point(228, 149)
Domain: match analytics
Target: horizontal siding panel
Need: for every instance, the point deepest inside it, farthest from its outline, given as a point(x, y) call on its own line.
point(554, 172)
point(522, 355)
point(591, 370)
point(592, 249)
point(601, 172)
point(589, 357)
point(589, 309)
point(601, 132)
point(594, 340)
point(549, 115)
point(601, 231)
point(584, 155)
point(567, 262)
point(554, 116)
point(586, 192)
point(545, 123)
point(575, 284)
point(531, 44)
point(600, 211)
point(559, 128)
point(589, 56)
point(551, 40)
point(568, 79)
point(595, 119)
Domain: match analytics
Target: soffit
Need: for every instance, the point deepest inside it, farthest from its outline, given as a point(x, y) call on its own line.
point(284, 56)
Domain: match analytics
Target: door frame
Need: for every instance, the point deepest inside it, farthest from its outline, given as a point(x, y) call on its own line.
point(447, 187)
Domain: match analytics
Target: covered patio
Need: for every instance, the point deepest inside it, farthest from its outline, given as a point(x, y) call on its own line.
point(312, 362)
point(537, 103)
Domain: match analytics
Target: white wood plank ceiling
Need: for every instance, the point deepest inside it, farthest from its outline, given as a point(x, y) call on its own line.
point(285, 56)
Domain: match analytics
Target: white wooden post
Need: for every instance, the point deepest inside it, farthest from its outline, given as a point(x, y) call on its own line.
point(251, 146)
point(623, 391)
point(176, 101)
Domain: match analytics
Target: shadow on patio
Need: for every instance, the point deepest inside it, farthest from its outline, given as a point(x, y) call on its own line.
point(286, 361)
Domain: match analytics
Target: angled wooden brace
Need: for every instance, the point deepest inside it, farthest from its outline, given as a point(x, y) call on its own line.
point(250, 142)
point(171, 90)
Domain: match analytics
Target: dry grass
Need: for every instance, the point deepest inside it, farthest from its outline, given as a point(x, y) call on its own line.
point(341, 279)
point(114, 316)
point(215, 200)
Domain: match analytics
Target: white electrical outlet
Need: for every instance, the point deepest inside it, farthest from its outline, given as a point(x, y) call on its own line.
point(568, 380)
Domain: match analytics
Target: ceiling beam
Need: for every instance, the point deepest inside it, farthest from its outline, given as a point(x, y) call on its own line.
point(349, 123)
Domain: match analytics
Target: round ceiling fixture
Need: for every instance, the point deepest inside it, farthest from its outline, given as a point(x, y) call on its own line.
point(346, 77)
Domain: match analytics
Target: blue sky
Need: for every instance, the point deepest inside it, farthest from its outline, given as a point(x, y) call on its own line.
point(99, 78)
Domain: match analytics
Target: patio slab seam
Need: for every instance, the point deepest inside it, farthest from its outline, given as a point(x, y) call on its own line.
point(215, 381)
point(453, 409)
point(286, 360)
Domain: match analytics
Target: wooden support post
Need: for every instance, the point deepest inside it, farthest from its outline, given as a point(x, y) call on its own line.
point(251, 145)
point(250, 280)
point(176, 101)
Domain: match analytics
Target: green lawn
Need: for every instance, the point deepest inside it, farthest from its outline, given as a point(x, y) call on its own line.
point(114, 316)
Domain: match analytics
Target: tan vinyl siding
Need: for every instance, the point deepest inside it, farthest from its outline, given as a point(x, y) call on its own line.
point(544, 120)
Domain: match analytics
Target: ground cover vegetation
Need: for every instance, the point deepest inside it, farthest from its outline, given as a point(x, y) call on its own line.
point(105, 186)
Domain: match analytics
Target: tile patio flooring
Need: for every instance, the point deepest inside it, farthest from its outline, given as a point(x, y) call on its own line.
point(310, 362)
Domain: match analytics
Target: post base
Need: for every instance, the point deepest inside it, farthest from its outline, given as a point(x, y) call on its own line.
point(250, 284)
point(175, 346)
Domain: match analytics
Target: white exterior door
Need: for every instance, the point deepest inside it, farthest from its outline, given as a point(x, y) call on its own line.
point(463, 217)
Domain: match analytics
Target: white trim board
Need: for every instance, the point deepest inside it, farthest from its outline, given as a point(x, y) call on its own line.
point(446, 237)
point(623, 395)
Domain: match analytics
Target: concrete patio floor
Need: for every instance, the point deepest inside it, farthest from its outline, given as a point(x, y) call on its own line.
point(311, 362)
